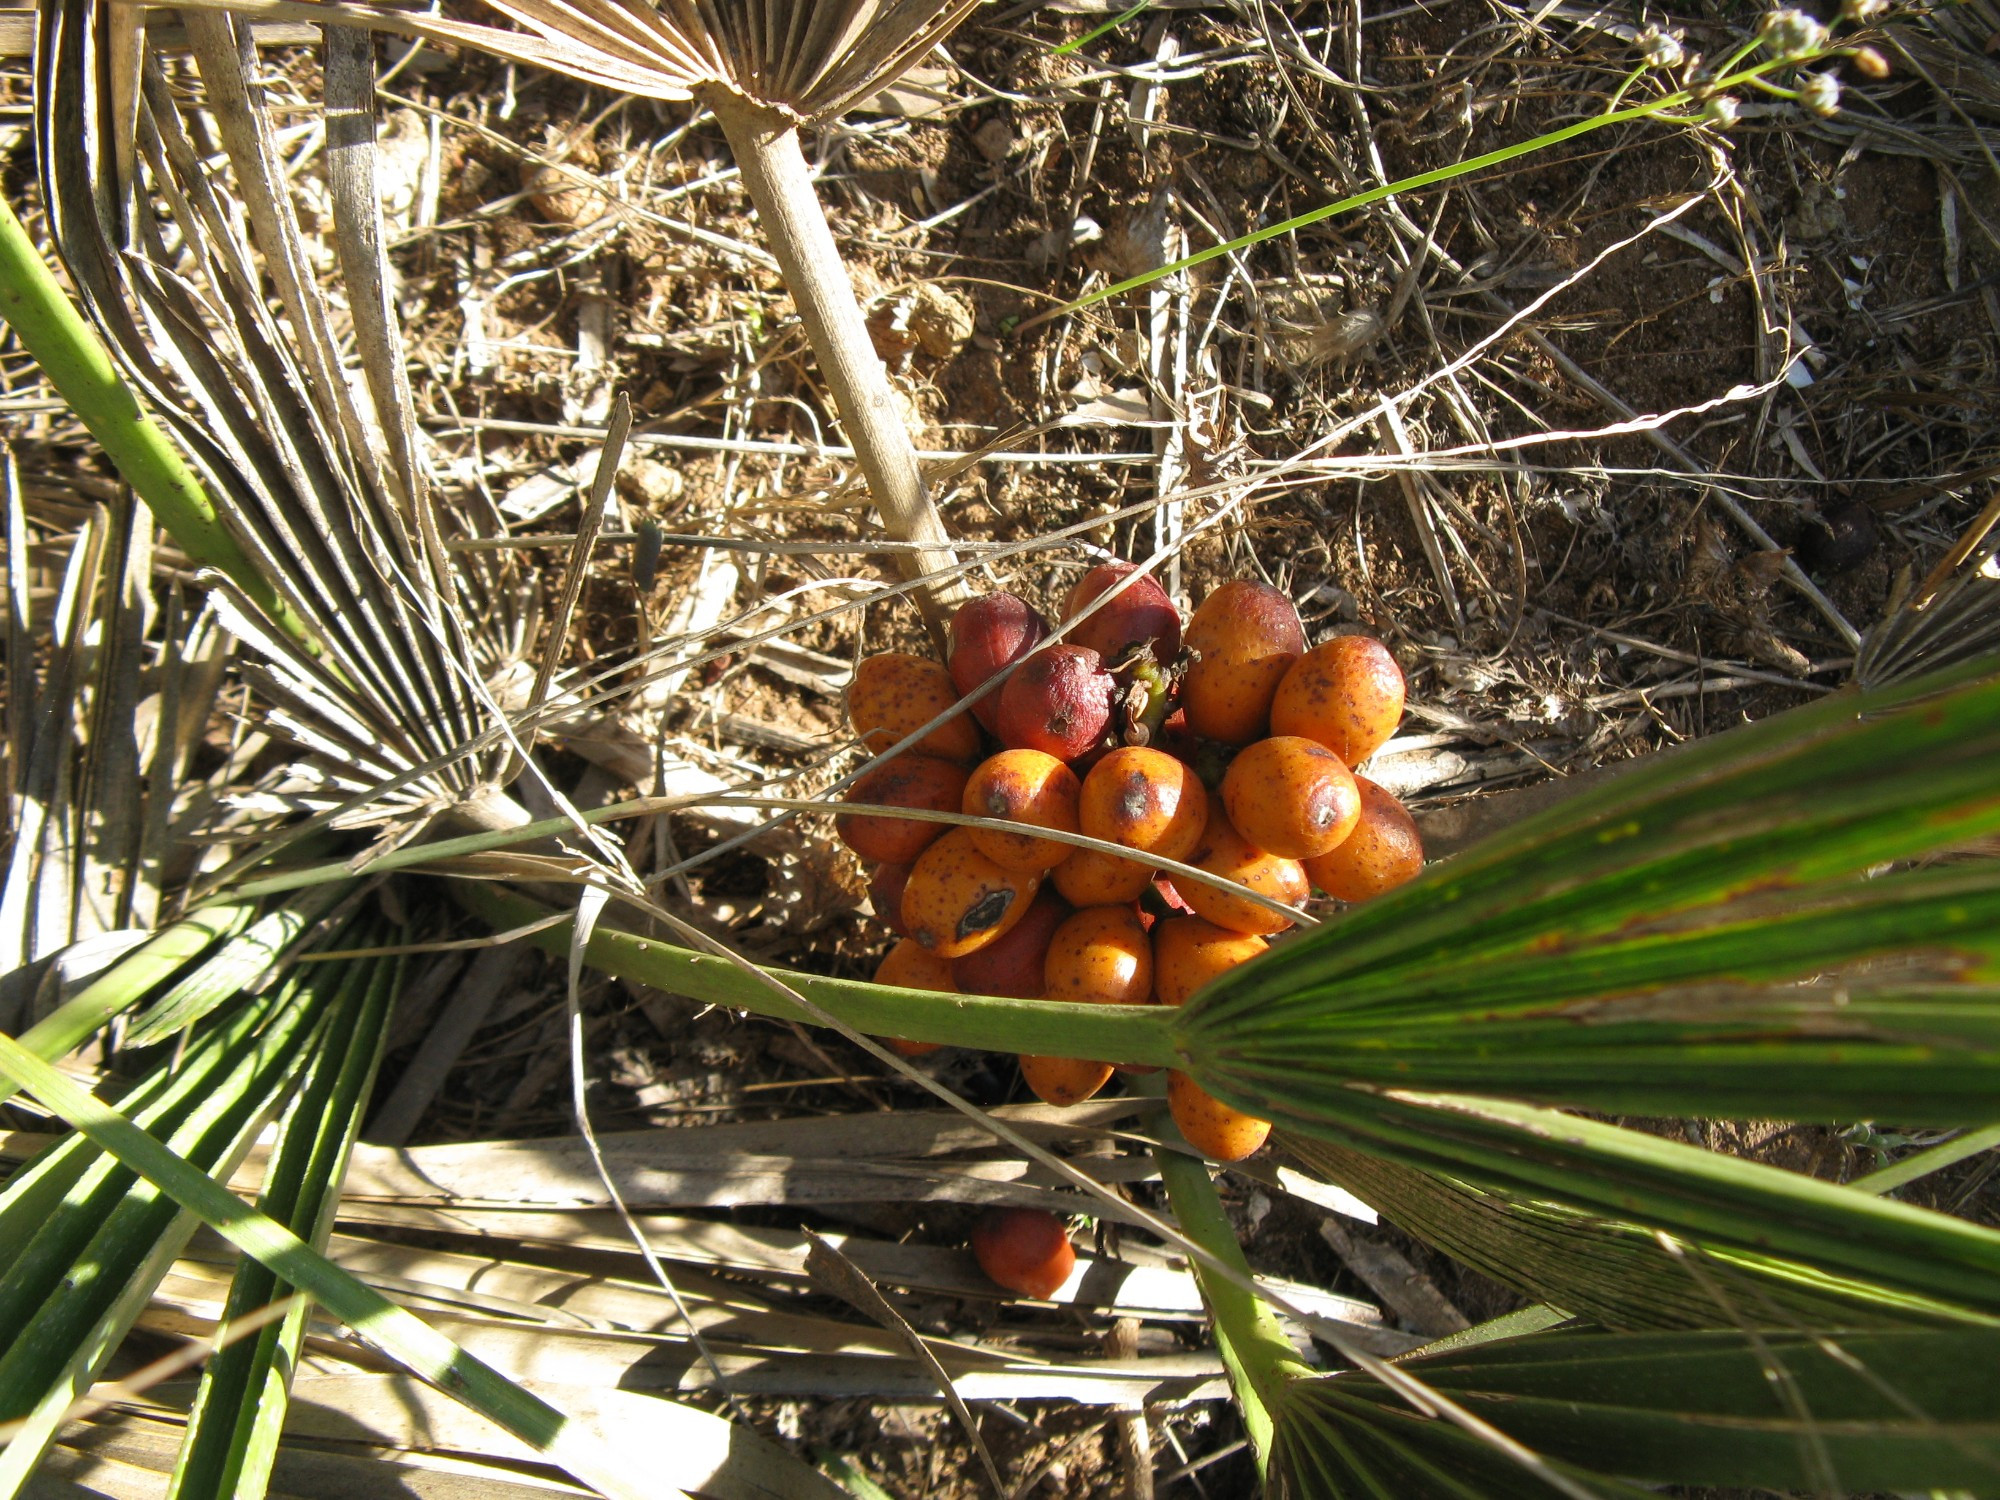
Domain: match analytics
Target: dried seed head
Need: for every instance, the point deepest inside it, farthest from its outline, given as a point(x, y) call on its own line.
point(1722, 110)
point(1869, 63)
point(1660, 49)
point(1791, 33)
point(1821, 94)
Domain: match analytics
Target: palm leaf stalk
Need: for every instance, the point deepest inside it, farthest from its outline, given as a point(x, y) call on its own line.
point(767, 72)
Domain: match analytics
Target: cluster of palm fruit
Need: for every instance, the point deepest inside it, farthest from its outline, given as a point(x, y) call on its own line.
point(1229, 747)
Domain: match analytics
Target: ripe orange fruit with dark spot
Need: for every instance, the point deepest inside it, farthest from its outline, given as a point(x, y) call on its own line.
point(895, 693)
point(1384, 851)
point(1028, 787)
point(1146, 800)
point(1210, 1126)
point(1190, 951)
point(1026, 1250)
point(917, 781)
point(1291, 796)
point(908, 966)
point(958, 900)
point(1347, 693)
point(1011, 964)
point(1246, 636)
point(1223, 851)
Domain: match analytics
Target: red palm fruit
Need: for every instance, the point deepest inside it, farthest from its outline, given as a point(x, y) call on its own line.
point(1210, 1126)
point(1028, 787)
point(1146, 800)
point(894, 694)
point(917, 781)
point(1142, 612)
point(987, 634)
point(1291, 796)
point(885, 894)
point(1190, 951)
point(1384, 851)
point(1011, 964)
point(1246, 636)
point(1026, 1250)
point(957, 900)
point(1088, 878)
point(1225, 852)
point(909, 967)
point(1058, 702)
point(1347, 693)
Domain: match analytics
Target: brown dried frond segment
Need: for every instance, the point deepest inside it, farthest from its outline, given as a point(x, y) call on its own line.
point(808, 59)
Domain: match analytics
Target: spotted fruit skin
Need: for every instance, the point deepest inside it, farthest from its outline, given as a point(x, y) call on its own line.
point(1291, 796)
point(1011, 964)
point(1027, 787)
point(1213, 1128)
point(1058, 701)
point(957, 900)
point(895, 693)
point(1146, 800)
point(988, 634)
point(1063, 1081)
point(1141, 612)
point(908, 966)
point(1102, 955)
point(1025, 1250)
point(1384, 851)
point(1088, 878)
point(1223, 851)
point(914, 781)
point(1246, 637)
point(1347, 693)
point(1190, 951)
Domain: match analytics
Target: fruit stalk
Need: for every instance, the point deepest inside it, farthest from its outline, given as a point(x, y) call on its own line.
point(766, 145)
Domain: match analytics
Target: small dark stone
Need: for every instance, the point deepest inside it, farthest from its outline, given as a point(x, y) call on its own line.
point(1840, 537)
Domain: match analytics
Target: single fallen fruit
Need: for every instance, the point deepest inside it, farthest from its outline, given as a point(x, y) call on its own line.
point(988, 634)
point(1146, 800)
point(1088, 878)
point(1291, 796)
point(914, 781)
point(1140, 612)
point(894, 694)
point(1028, 787)
point(1245, 637)
point(958, 900)
point(1223, 851)
point(1210, 1126)
point(1190, 951)
point(1347, 693)
point(1058, 702)
point(1026, 1250)
point(1011, 964)
point(1384, 851)
point(909, 967)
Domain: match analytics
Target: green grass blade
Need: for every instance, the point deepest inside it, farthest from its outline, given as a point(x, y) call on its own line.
point(1845, 1412)
point(34, 305)
point(240, 1405)
point(237, 963)
point(405, 1337)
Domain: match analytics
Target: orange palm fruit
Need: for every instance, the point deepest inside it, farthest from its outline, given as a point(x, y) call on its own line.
point(1190, 951)
point(1245, 636)
point(958, 900)
point(916, 781)
point(1146, 800)
point(1291, 796)
point(1225, 852)
point(895, 693)
point(1088, 878)
point(1210, 1126)
point(1027, 787)
point(1063, 1081)
point(1347, 693)
point(1100, 955)
point(1384, 851)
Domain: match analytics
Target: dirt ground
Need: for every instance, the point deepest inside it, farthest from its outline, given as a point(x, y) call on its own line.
point(1570, 576)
